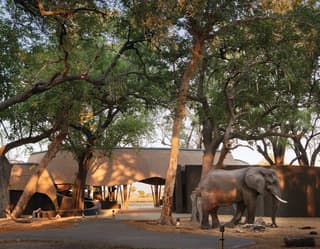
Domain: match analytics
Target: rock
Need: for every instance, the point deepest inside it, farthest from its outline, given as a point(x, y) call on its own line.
point(254, 227)
point(299, 241)
point(306, 227)
point(259, 221)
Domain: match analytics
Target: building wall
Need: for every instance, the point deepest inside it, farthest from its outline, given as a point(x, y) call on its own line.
point(300, 186)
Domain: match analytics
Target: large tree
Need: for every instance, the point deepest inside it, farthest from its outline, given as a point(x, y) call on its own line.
point(49, 54)
point(255, 78)
point(18, 123)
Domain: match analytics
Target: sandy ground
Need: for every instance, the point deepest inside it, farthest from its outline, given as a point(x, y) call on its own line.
point(270, 238)
point(267, 239)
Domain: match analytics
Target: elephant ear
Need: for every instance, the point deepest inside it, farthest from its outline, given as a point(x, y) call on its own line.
point(255, 180)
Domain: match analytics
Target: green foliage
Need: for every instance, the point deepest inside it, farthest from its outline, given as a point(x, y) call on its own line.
point(263, 66)
point(261, 54)
point(126, 131)
point(83, 43)
point(9, 60)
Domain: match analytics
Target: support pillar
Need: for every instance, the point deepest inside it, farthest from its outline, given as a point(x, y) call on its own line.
point(125, 195)
point(156, 194)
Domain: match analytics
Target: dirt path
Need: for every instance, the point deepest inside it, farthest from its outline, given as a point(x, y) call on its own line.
point(270, 238)
point(96, 233)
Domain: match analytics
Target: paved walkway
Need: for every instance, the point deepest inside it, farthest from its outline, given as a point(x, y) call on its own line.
point(116, 233)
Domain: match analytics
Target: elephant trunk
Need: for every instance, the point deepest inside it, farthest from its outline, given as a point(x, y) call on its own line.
point(276, 199)
point(275, 205)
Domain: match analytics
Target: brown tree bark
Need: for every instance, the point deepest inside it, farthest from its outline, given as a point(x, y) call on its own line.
point(300, 151)
point(166, 212)
point(207, 129)
point(5, 168)
point(264, 151)
point(314, 156)
point(211, 142)
point(78, 189)
point(31, 187)
point(5, 172)
point(80, 181)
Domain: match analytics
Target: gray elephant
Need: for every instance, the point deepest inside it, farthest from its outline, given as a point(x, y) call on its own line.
point(196, 203)
point(240, 187)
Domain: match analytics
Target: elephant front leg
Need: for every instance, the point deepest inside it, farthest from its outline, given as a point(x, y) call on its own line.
point(251, 213)
point(240, 208)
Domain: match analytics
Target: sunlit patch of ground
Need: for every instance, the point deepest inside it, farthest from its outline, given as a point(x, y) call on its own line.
point(8, 225)
point(34, 244)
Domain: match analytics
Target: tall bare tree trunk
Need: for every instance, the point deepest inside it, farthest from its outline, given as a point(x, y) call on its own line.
point(5, 172)
point(180, 112)
point(31, 187)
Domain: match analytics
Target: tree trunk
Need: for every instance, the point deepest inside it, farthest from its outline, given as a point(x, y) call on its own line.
point(5, 172)
point(78, 189)
point(208, 156)
point(314, 156)
point(31, 187)
point(300, 152)
point(166, 212)
point(264, 152)
point(207, 162)
point(225, 150)
point(279, 151)
point(80, 181)
point(210, 151)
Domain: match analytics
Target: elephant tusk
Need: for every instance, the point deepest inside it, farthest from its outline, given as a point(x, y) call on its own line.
point(279, 199)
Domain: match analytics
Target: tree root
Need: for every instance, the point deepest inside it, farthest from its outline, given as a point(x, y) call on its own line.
point(167, 220)
point(18, 220)
point(38, 213)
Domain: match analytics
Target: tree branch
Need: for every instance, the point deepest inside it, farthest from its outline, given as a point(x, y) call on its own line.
point(27, 140)
point(264, 152)
point(39, 87)
point(68, 12)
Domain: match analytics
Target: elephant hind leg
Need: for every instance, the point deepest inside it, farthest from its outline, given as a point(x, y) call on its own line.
point(214, 218)
point(205, 220)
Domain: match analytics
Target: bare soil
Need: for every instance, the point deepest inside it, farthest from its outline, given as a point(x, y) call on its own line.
point(270, 238)
point(267, 239)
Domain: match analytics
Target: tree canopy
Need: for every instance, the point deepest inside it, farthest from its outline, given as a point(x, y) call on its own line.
point(247, 70)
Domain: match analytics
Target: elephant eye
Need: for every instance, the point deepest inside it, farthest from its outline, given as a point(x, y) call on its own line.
point(271, 181)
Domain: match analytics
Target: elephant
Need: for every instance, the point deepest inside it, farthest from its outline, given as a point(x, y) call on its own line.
point(239, 187)
point(196, 203)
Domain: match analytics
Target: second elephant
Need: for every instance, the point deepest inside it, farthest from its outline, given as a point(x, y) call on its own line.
point(240, 187)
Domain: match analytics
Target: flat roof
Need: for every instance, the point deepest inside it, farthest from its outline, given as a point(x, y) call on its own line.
point(124, 166)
